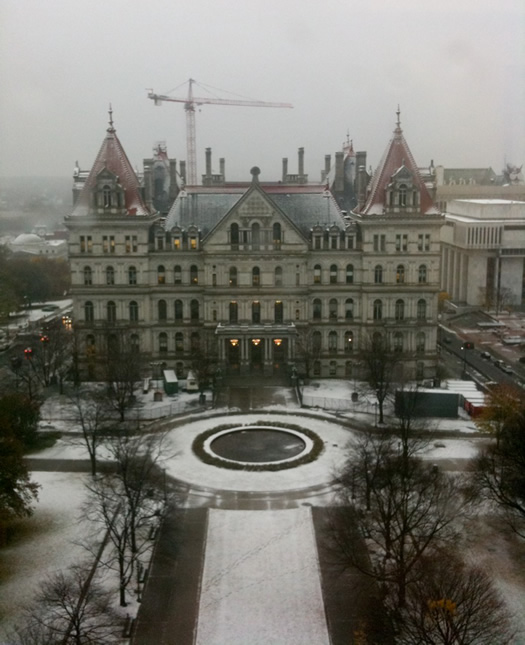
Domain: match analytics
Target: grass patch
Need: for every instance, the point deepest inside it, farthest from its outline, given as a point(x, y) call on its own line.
point(212, 460)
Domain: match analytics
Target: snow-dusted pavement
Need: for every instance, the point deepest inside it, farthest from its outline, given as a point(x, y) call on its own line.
point(260, 583)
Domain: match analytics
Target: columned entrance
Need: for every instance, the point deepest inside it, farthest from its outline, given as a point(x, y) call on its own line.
point(256, 349)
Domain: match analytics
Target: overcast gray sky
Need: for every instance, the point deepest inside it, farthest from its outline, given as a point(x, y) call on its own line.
point(456, 68)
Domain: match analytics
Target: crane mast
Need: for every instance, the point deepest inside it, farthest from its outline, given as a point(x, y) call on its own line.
point(189, 107)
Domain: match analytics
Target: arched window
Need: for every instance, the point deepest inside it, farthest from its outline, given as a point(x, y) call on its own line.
point(398, 342)
point(277, 236)
point(378, 310)
point(317, 274)
point(234, 312)
point(349, 342)
point(194, 310)
point(195, 341)
point(421, 309)
point(178, 311)
point(400, 274)
point(278, 277)
point(316, 342)
point(88, 276)
point(256, 235)
point(317, 368)
point(333, 274)
point(333, 368)
point(332, 341)
point(110, 276)
point(89, 312)
point(133, 311)
point(349, 308)
point(256, 277)
point(177, 274)
point(113, 344)
point(332, 309)
point(233, 276)
point(179, 342)
point(278, 311)
point(161, 274)
point(256, 312)
point(163, 343)
point(162, 310)
point(349, 274)
point(134, 342)
point(234, 236)
point(422, 273)
point(194, 274)
point(132, 275)
point(378, 274)
point(317, 309)
point(90, 344)
point(402, 195)
point(420, 342)
point(399, 313)
point(111, 311)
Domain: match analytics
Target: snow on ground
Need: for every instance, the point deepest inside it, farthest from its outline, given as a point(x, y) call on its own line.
point(47, 546)
point(186, 466)
point(261, 581)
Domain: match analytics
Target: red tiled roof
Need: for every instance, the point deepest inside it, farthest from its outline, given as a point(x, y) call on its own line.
point(112, 157)
point(396, 155)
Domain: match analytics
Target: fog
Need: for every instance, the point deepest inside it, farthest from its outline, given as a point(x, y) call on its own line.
point(456, 69)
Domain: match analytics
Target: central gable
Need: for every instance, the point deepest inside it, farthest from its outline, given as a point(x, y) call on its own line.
point(256, 223)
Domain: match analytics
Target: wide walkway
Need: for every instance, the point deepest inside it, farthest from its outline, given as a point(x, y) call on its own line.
point(225, 550)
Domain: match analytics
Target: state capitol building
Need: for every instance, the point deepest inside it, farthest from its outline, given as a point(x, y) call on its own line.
point(264, 276)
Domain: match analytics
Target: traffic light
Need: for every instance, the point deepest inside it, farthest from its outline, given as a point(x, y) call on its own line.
point(28, 353)
point(44, 339)
point(469, 345)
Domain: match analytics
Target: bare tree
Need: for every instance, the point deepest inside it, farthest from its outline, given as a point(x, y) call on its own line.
point(451, 603)
point(307, 348)
point(205, 358)
point(499, 470)
point(123, 364)
point(502, 403)
point(91, 411)
point(402, 507)
point(67, 610)
point(380, 364)
point(129, 501)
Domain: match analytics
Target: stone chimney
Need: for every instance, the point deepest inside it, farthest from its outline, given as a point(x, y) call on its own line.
point(208, 162)
point(222, 167)
point(361, 184)
point(285, 169)
point(301, 163)
point(339, 172)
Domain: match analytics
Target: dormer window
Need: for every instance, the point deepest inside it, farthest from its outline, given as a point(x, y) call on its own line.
point(108, 193)
point(402, 195)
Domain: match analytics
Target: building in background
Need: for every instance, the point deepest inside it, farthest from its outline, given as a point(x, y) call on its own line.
point(263, 276)
point(483, 253)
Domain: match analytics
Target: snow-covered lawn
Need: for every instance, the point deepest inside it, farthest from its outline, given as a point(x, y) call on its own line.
point(261, 580)
point(49, 543)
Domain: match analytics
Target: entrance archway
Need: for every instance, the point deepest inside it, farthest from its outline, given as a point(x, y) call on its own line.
point(280, 353)
point(234, 356)
point(256, 354)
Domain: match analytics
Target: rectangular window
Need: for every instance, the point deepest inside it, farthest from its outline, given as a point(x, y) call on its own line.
point(86, 244)
point(379, 242)
point(176, 243)
point(105, 246)
point(401, 243)
point(111, 244)
point(350, 242)
point(131, 243)
point(423, 242)
point(193, 243)
point(333, 242)
point(317, 243)
point(108, 244)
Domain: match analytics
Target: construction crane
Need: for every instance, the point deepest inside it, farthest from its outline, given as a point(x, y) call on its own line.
point(190, 102)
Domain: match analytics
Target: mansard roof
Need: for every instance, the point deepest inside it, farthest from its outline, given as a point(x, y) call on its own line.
point(112, 158)
point(305, 205)
point(396, 157)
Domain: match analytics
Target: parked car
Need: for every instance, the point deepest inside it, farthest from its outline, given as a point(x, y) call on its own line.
point(485, 355)
point(507, 368)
